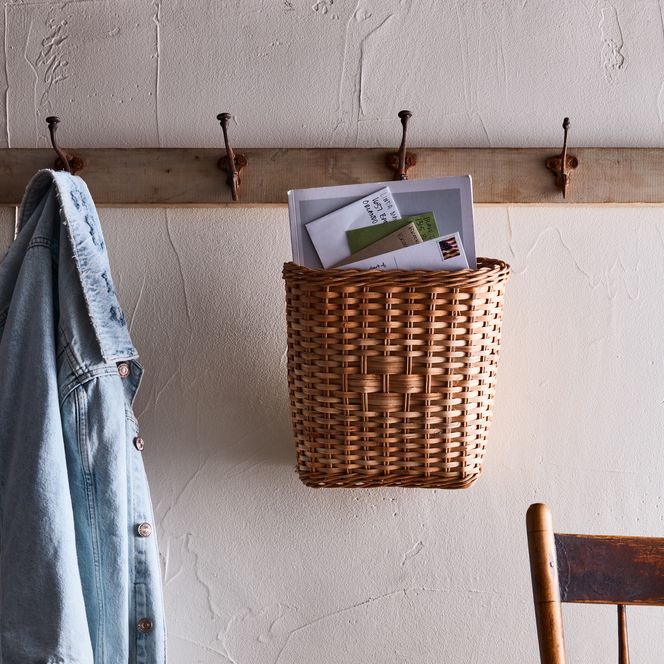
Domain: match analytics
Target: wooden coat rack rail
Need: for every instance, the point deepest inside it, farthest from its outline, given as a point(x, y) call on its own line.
point(174, 177)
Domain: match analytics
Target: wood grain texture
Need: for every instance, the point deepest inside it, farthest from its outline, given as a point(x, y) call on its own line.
point(183, 177)
point(596, 569)
point(623, 641)
point(601, 569)
point(546, 588)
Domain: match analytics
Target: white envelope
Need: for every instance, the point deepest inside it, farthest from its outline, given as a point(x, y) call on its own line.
point(328, 233)
point(443, 253)
point(449, 198)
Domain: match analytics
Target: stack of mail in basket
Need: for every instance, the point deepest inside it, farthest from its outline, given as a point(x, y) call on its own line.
point(405, 225)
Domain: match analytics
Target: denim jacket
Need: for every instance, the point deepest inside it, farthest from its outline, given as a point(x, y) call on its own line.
point(79, 569)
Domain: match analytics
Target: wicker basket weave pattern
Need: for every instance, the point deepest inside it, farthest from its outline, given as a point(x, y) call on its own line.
point(392, 374)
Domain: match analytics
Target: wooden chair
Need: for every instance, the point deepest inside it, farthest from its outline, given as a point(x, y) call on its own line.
point(594, 569)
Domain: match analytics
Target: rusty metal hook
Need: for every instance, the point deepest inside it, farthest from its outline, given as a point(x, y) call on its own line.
point(561, 165)
point(231, 162)
point(67, 162)
point(400, 162)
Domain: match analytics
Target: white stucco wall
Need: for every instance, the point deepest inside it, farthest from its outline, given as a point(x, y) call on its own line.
point(258, 568)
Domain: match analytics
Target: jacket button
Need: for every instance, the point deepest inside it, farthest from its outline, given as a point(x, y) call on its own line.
point(144, 529)
point(139, 443)
point(123, 369)
point(145, 625)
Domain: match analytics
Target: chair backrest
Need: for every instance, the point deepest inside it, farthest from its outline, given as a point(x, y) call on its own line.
point(594, 569)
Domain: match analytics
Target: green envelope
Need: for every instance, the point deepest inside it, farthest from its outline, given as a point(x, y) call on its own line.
point(359, 238)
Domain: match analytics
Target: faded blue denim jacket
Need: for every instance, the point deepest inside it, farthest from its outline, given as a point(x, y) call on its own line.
point(79, 569)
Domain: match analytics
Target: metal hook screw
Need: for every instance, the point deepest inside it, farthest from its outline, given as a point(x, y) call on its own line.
point(231, 162)
point(400, 162)
point(53, 121)
point(562, 164)
point(67, 162)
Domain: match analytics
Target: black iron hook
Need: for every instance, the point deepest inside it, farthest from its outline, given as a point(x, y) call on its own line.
point(67, 162)
point(561, 165)
point(400, 162)
point(231, 162)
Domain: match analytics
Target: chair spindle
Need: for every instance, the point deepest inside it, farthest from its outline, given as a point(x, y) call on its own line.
point(623, 647)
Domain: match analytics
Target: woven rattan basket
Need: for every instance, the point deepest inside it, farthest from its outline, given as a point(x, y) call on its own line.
point(392, 374)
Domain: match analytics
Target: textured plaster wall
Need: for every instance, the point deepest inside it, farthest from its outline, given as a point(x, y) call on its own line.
point(259, 569)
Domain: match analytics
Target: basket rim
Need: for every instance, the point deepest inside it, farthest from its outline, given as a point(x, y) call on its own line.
point(489, 269)
point(484, 265)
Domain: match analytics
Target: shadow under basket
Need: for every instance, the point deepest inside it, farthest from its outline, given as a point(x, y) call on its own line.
point(392, 374)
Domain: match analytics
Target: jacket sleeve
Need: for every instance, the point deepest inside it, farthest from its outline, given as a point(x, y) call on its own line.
point(42, 611)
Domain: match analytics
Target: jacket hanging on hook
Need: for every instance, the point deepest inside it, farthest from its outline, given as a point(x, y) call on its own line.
point(79, 566)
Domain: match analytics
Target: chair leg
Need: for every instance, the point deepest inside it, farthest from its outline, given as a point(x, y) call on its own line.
point(623, 646)
point(546, 591)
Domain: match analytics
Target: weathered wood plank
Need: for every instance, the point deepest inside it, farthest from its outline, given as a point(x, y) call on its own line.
point(610, 570)
point(175, 177)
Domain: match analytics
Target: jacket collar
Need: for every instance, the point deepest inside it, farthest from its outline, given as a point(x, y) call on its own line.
point(79, 215)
